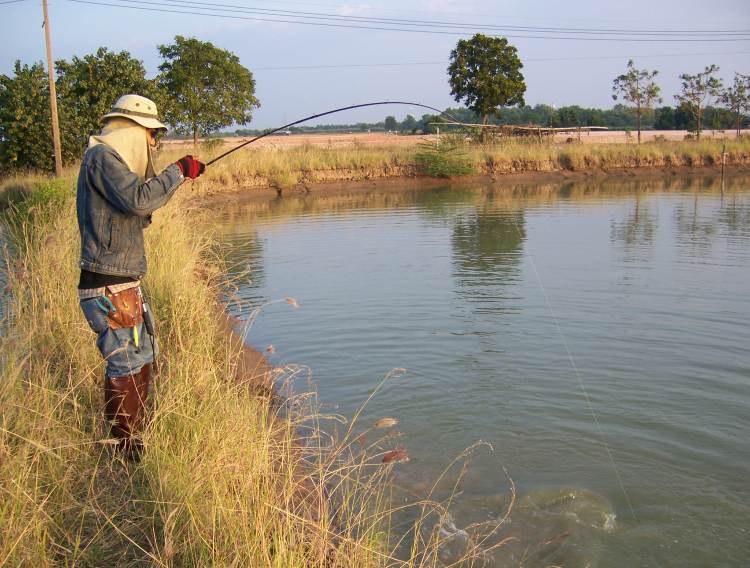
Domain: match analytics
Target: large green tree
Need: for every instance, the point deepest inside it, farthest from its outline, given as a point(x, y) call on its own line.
point(485, 73)
point(637, 86)
point(25, 124)
point(208, 87)
point(89, 86)
point(697, 93)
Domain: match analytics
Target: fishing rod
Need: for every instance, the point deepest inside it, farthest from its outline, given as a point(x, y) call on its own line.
point(350, 107)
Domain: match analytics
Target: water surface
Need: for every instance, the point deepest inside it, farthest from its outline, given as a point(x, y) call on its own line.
point(595, 334)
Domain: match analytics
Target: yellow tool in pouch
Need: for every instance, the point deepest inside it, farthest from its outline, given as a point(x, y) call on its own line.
point(128, 308)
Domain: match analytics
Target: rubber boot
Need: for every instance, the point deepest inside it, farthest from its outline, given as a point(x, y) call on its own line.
point(144, 383)
point(124, 407)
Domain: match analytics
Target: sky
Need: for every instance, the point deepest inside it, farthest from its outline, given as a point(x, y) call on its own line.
point(304, 69)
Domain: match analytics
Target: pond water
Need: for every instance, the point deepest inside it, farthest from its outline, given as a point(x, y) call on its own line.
point(595, 334)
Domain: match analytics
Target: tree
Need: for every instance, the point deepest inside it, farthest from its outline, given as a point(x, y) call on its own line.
point(637, 86)
point(88, 87)
point(718, 118)
point(683, 118)
point(208, 86)
point(25, 126)
point(409, 124)
point(545, 115)
point(391, 123)
point(485, 73)
point(569, 116)
point(698, 91)
point(664, 118)
point(737, 98)
point(426, 123)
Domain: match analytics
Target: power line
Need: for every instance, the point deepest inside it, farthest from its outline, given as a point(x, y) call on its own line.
point(235, 8)
point(525, 60)
point(11, 1)
point(382, 28)
point(446, 12)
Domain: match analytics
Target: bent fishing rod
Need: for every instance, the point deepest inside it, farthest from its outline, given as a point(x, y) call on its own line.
point(307, 118)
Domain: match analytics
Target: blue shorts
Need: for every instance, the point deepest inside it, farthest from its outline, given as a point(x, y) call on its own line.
point(117, 346)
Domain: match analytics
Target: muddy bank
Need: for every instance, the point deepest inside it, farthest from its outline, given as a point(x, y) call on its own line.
point(395, 184)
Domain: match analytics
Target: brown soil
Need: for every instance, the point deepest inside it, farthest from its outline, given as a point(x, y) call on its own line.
point(251, 367)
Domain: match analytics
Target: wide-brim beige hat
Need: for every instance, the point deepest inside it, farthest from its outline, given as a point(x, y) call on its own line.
point(138, 109)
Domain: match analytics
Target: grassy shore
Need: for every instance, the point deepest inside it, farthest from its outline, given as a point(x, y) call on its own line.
point(230, 476)
point(258, 167)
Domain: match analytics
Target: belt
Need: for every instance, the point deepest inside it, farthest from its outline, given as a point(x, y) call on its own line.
point(88, 293)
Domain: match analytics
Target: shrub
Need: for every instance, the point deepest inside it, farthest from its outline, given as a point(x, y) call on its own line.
point(446, 158)
point(211, 144)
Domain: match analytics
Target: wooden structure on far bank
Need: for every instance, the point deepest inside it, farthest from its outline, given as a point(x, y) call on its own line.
point(529, 130)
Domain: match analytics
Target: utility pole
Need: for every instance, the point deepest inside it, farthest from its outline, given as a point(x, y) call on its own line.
point(52, 93)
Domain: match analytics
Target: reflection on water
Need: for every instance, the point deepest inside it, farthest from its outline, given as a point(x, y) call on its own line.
point(636, 232)
point(245, 264)
point(734, 216)
point(695, 229)
point(648, 284)
point(487, 242)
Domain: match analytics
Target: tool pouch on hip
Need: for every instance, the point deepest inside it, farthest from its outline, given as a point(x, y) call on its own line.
point(128, 308)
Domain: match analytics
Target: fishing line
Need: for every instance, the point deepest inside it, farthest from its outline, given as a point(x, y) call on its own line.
point(580, 379)
point(307, 118)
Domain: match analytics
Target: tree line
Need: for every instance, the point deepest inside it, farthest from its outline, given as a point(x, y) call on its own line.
point(619, 117)
point(201, 89)
point(87, 88)
point(485, 73)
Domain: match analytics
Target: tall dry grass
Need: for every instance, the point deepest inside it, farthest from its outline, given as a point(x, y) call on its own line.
point(279, 167)
point(514, 157)
point(269, 166)
point(230, 477)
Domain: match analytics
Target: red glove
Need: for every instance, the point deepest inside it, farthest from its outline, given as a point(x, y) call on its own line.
point(190, 167)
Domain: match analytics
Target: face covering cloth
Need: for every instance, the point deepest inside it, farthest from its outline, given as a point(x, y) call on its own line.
point(130, 141)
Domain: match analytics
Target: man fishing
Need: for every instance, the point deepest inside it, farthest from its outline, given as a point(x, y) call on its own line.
point(117, 193)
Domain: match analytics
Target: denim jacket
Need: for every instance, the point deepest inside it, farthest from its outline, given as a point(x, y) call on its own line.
point(113, 207)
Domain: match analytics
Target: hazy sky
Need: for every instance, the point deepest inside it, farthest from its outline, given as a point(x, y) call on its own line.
point(557, 71)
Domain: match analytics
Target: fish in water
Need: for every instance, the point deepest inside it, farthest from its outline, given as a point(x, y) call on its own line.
point(547, 527)
point(396, 456)
point(386, 422)
point(580, 506)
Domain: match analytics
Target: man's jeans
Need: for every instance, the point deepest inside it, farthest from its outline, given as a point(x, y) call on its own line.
point(117, 346)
